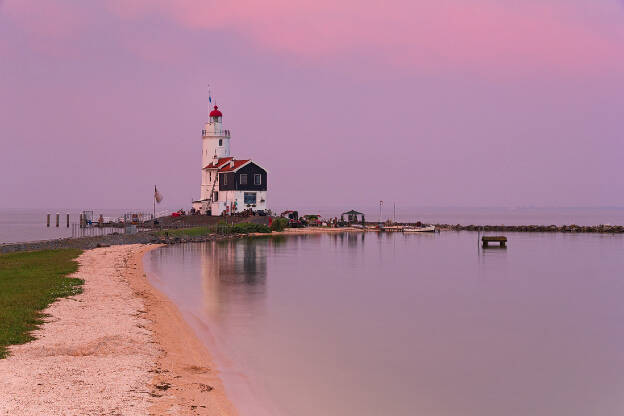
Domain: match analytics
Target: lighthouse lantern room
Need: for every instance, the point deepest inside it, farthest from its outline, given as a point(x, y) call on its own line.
point(215, 139)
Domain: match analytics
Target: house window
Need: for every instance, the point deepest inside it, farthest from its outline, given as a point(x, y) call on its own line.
point(250, 198)
point(215, 198)
point(224, 179)
point(220, 142)
point(243, 179)
point(257, 179)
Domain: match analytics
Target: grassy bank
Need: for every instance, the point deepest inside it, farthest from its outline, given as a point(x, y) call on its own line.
point(222, 229)
point(29, 282)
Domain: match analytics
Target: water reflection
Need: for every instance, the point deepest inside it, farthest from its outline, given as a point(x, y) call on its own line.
point(367, 324)
point(351, 239)
point(236, 262)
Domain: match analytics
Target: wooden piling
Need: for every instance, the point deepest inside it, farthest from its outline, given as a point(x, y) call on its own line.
point(67, 220)
point(58, 217)
point(48, 220)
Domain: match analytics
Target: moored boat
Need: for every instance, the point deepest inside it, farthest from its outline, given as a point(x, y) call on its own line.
point(422, 229)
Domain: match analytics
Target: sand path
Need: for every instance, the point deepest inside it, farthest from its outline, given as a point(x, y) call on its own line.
point(119, 348)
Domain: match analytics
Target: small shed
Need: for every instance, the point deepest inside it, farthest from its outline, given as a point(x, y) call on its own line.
point(352, 216)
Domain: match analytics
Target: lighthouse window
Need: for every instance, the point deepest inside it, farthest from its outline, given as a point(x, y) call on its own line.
point(250, 198)
point(257, 179)
point(243, 179)
point(220, 142)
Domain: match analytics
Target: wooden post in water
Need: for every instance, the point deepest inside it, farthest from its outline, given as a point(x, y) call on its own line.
point(58, 217)
point(68, 220)
point(501, 240)
point(48, 220)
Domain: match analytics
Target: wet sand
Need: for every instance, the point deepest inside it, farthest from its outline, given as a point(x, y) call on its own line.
point(120, 347)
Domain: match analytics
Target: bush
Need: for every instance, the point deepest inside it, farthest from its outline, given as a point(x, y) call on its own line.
point(279, 224)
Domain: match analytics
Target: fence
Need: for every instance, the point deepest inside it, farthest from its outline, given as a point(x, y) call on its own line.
point(78, 231)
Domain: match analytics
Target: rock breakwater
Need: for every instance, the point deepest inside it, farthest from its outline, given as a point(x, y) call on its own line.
point(87, 243)
point(603, 228)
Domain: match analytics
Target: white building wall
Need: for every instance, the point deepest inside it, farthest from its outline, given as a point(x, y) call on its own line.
point(227, 198)
point(208, 178)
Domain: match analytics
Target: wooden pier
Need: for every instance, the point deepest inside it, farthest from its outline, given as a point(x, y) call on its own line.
point(487, 239)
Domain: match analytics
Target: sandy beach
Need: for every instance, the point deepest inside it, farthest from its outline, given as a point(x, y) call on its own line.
point(119, 348)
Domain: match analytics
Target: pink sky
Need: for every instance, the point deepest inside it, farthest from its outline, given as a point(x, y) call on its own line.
point(437, 102)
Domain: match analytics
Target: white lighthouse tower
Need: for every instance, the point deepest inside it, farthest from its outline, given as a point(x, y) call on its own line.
point(215, 146)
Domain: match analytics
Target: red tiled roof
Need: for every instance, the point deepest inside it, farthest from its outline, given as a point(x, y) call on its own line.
point(220, 162)
point(237, 164)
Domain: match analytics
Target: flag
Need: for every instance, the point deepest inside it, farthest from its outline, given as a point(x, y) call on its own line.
point(157, 195)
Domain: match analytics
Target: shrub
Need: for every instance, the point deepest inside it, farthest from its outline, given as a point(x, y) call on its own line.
point(279, 224)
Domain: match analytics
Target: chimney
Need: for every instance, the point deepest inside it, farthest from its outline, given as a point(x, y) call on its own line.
point(232, 164)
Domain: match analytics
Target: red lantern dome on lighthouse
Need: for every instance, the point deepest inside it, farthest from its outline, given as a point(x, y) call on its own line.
point(216, 112)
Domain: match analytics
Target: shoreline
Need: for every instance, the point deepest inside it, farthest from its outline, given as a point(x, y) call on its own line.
point(119, 347)
point(185, 371)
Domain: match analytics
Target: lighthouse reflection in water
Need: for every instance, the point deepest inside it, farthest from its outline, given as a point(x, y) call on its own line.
point(370, 324)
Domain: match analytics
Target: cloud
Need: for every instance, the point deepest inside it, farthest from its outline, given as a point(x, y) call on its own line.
point(482, 34)
point(488, 36)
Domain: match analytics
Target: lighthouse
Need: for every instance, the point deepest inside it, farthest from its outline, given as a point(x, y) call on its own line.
point(228, 185)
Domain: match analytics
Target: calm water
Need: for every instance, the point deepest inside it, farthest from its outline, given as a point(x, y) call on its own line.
point(29, 224)
point(18, 225)
point(392, 324)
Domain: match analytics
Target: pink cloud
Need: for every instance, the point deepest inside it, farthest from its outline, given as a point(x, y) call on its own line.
point(485, 34)
point(482, 35)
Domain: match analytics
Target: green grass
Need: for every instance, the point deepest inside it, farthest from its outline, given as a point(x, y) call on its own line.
point(239, 228)
point(29, 282)
point(187, 232)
